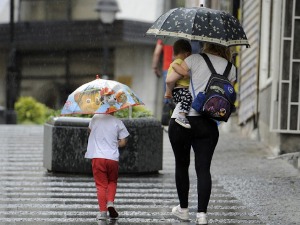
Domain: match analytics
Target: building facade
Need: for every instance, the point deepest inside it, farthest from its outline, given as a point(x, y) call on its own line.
point(269, 74)
point(52, 47)
point(268, 71)
point(56, 48)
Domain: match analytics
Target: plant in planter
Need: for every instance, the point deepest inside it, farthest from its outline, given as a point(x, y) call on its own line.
point(64, 151)
point(30, 111)
point(137, 112)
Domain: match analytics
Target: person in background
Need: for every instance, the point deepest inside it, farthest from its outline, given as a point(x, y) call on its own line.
point(164, 52)
point(107, 134)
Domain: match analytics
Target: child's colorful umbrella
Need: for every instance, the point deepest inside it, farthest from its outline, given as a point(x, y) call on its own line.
point(100, 97)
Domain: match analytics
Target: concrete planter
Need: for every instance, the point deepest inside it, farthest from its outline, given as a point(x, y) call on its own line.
point(65, 142)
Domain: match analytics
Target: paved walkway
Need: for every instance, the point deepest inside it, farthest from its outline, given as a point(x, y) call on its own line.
point(31, 195)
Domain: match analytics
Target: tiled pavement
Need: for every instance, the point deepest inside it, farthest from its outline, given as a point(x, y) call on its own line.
point(31, 195)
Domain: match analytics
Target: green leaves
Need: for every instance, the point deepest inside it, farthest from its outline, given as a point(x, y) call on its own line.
point(137, 112)
point(30, 111)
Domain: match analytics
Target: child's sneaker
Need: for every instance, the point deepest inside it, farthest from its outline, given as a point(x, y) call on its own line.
point(201, 218)
point(102, 215)
point(183, 121)
point(180, 213)
point(113, 214)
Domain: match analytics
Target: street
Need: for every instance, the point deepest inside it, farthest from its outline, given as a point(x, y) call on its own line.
point(248, 187)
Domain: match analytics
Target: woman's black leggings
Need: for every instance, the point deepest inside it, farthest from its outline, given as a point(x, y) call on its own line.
point(203, 137)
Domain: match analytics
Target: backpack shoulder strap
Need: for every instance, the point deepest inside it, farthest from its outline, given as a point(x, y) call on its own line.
point(227, 70)
point(211, 67)
point(208, 62)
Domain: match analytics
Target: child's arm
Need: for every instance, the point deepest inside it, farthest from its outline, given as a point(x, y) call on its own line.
point(122, 142)
point(181, 69)
point(171, 81)
point(168, 93)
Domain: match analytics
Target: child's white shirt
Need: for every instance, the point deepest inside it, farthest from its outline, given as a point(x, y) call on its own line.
point(106, 130)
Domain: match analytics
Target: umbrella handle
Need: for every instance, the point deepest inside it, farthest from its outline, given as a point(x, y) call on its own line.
point(130, 112)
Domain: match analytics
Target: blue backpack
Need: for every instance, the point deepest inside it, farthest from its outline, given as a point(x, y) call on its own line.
point(217, 100)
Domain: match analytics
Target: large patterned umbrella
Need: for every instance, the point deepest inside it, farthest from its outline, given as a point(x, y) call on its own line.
point(202, 24)
point(100, 96)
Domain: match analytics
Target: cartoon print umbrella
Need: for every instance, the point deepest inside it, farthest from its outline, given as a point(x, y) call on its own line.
point(100, 97)
point(202, 24)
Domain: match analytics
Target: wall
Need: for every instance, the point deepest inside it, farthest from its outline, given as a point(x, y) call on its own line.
point(79, 12)
point(132, 66)
point(193, 3)
point(268, 71)
point(146, 10)
point(269, 138)
point(134, 62)
point(3, 59)
point(45, 75)
point(4, 12)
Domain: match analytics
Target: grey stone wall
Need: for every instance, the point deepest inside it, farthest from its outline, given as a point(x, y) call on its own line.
point(65, 142)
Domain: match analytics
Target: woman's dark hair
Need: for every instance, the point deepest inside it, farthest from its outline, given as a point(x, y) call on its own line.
point(181, 46)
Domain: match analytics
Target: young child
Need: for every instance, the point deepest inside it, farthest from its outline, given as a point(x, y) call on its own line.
point(178, 86)
point(107, 134)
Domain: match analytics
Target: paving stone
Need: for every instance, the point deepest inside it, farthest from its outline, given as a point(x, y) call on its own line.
point(31, 195)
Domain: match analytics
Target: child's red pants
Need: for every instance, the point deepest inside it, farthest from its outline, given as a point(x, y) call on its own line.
point(105, 172)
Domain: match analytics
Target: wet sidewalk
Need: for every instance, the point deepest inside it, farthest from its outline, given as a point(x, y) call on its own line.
point(31, 195)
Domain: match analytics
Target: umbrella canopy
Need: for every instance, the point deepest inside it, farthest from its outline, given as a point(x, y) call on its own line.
point(100, 97)
point(202, 24)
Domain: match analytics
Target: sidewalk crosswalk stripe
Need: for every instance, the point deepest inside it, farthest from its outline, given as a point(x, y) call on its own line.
point(31, 195)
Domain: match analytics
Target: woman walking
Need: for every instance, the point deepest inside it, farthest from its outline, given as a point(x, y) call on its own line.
point(203, 135)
